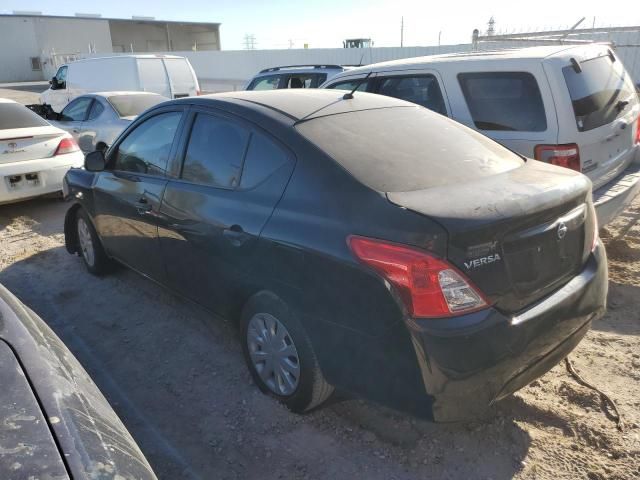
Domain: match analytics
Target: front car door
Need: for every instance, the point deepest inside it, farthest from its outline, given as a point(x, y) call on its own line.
point(127, 194)
point(88, 129)
point(231, 175)
point(73, 115)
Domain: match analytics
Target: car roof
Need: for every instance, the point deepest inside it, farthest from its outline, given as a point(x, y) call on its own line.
point(301, 69)
point(531, 53)
point(304, 104)
point(118, 93)
point(7, 100)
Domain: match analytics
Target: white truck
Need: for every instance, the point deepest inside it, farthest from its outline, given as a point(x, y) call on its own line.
point(167, 75)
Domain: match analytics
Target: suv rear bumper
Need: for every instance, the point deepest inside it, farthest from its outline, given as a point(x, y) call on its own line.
point(613, 197)
point(469, 362)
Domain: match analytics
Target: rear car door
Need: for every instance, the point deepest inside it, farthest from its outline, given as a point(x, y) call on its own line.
point(598, 108)
point(230, 178)
point(127, 194)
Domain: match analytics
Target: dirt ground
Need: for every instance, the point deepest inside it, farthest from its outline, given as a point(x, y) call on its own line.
point(176, 377)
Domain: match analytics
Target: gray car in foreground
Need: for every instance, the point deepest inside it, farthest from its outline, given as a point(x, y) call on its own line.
point(54, 422)
point(96, 119)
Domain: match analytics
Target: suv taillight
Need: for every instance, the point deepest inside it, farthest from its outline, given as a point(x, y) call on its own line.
point(638, 131)
point(567, 156)
point(429, 286)
point(66, 145)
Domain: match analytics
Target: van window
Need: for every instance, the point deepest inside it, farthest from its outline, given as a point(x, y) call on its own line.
point(421, 89)
point(504, 101)
point(215, 152)
point(263, 158)
point(146, 149)
point(597, 92)
point(265, 83)
point(351, 84)
point(153, 77)
point(180, 75)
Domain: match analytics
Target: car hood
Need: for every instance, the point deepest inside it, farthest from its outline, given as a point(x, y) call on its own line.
point(90, 437)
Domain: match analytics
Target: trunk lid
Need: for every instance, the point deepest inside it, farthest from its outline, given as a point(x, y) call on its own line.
point(517, 235)
point(22, 144)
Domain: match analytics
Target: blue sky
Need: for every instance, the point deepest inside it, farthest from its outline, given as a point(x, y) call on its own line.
point(324, 24)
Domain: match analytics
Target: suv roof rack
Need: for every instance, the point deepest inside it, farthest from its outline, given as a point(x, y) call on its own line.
point(275, 69)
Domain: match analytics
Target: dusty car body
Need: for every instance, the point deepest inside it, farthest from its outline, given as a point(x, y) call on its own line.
point(55, 422)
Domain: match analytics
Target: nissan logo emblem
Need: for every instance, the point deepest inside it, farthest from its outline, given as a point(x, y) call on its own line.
point(562, 230)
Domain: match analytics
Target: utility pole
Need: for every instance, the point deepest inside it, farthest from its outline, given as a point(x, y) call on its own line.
point(402, 32)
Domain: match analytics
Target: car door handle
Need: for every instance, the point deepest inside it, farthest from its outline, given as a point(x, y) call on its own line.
point(235, 235)
point(143, 206)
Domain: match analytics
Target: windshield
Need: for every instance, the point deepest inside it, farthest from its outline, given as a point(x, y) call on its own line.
point(599, 91)
point(407, 148)
point(13, 115)
point(133, 105)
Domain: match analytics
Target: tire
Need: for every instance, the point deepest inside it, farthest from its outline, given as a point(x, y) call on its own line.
point(301, 389)
point(89, 245)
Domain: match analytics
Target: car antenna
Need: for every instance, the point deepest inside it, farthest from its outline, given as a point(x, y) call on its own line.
point(349, 96)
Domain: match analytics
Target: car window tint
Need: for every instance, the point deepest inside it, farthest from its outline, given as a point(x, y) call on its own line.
point(300, 81)
point(320, 79)
point(76, 111)
point(146, 149)
point(350, 85)
point(504, 101)
point(215, 152)
point(597, 90)
point(265, 83)
point(423, 90)
point(263, 158)
point(96, 109)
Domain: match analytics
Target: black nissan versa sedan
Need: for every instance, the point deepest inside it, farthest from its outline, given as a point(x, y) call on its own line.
point(54, 422)
point(362, 242)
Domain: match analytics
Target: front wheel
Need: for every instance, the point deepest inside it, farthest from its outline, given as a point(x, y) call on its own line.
point(280, 356)
point(89, 246)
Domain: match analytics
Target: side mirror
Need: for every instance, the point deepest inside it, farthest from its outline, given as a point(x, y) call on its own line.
point(54, 83)
point(94, 161)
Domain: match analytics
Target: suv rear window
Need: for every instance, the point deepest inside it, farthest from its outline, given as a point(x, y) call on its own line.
point(596, 91)
point(13, 115)
point(400, 149)
point(508, 101)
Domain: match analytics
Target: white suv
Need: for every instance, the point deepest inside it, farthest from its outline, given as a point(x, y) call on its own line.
point(571, 106)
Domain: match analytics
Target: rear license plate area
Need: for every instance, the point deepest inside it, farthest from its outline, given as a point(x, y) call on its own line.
point(25, 180)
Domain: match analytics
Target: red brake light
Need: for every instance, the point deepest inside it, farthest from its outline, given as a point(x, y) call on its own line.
point(429, 286)
point(66, 145)
point(638, 131)
point(567, 156)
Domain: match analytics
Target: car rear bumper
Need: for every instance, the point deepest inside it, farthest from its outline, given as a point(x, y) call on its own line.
point(612, 198)
point(31, 178)
point(469, 362)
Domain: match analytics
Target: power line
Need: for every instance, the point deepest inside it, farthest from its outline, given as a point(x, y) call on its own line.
point(249, 41)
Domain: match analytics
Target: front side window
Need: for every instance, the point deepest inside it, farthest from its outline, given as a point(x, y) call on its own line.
point(507, 101)
point(76, 111)
point(423, 90)
point(146, 149)
point(265, 83)
point(351, 84)
point(215, 152)
point(600, 92)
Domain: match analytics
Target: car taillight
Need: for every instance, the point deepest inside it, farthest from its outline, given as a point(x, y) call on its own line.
point(567, 156)
point(638, 131)
point(66, 145)
point(429, 286)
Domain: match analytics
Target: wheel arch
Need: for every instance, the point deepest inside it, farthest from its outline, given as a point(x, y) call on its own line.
point(70, 233)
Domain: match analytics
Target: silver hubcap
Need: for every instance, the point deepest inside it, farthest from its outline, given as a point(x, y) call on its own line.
point(86, 244)
point(273, 354)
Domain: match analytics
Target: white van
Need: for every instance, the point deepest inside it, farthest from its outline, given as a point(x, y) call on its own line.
point(167, 75)
point(574, 106)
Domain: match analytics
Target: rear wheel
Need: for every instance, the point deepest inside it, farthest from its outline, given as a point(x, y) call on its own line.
point(280, 356)
point(89, 246)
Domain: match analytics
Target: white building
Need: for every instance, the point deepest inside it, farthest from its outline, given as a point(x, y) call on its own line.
point(32, 45)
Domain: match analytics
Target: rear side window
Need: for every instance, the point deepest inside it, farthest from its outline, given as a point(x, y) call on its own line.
point(302, 81)
point(146, 149)
point(215, 152)
point(351, 84)
point(599, 91)
point(508, 101)
point(13, 115)
point(264, 158)
point(423, 90)
point(96, 110)
point(265, 83)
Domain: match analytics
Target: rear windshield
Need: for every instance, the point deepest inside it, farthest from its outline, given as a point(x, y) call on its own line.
point(599, 92)
point(130, 105)
point(407, 148)
point(504, 101)
point(14, 115)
